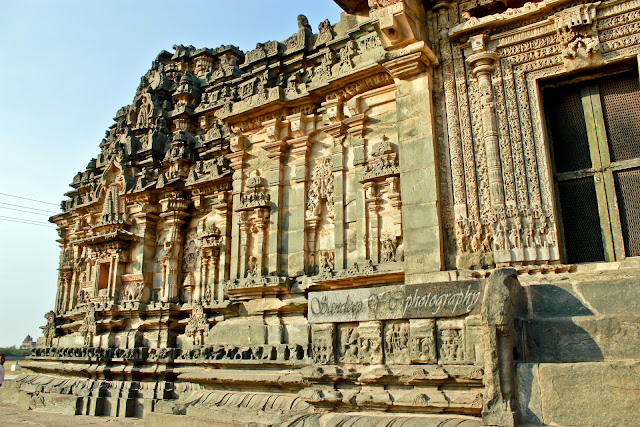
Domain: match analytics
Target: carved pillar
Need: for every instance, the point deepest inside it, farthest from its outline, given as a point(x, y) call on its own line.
point(113, 263)
point(118, 262)
point(482, 63)
point(211, 245)
point(276, 147)
point(300, 147)
point(237, 160)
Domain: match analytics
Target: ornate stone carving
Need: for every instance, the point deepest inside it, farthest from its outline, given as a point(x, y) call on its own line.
point(499, 311)
point(578, 36)
point(396, 343)
point(130, 292)
point(49, 330)
point(320, 191)
point(240, 187)
point(298, 41)
point(325, 33)
point(422, 346)
point(370, 343)
point(383, 161)
point(322, 340)
point(345, 64)
point(197, 327)
point(348, 345)
point(89, 328)
point(451, 339)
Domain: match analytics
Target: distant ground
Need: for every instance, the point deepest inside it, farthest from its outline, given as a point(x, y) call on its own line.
point(12, 416)
point(9, 374)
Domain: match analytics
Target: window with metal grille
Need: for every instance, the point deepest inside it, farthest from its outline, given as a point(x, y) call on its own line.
point(594, 130)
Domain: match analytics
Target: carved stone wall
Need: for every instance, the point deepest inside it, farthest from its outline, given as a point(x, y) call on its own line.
point(390, 153)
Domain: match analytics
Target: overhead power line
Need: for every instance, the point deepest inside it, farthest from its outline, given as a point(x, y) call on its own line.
point(26, 221)
point(27, 207)
point(22, 210)
point(26, 198)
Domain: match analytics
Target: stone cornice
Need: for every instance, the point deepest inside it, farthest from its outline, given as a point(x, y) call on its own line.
point(508, 17)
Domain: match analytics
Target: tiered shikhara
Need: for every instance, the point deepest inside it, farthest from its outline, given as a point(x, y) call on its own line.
point(237, 182)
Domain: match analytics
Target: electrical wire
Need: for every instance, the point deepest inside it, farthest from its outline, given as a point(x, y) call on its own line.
point(27, 222)
point(22, 210)
point(26, 198)
point(27, 207)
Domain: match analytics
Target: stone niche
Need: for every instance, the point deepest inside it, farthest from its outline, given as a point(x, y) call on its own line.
point(314, 232)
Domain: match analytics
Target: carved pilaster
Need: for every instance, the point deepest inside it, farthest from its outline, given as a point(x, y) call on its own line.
point(301, 127)
point(237, 160)
point(276, 147)
point(173, 213)
point(356, 128)
point(412, 71)
point(147, 223)
point(223, 262)
point(335, 127)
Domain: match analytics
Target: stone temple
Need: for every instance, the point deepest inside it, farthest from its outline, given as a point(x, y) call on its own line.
point(426, 214)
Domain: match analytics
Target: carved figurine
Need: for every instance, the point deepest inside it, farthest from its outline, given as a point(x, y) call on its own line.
point(451, 346)
point(49, 330)
point(89, 326)
point(349, 350)
point(252, 267)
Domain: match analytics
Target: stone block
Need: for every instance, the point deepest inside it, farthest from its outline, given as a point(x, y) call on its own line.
point(295, 263)
point(418, 186)
point(292, 240)
point(58, 403)
point(423, 240)
point(413, 104)
point(590, 394)
point(239, 331)
point(413, 127)
point(621, 296)
point(557, 300)
point(418, 216)
point(529, 400)
point(297, 333)
point(10, 393)
point(582, 339)
point(417, 154)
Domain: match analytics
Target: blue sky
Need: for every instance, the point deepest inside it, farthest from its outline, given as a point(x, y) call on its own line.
point(66, 67)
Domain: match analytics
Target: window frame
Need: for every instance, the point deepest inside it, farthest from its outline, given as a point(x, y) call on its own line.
point(602, 168)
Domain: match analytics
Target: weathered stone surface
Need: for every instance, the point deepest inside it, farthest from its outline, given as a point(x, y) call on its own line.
point(557, 300)
point(612, 297)
point(604, 394)
point(582, 339)
point(300, 234)
point(529, 399)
